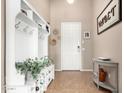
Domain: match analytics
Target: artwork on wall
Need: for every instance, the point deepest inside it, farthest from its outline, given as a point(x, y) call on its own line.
point(55, 32)
point(52, 40)
point(86, 35)
point(110, 16)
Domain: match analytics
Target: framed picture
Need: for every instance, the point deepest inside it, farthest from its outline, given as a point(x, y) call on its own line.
point(110, 16)
point(86, 35)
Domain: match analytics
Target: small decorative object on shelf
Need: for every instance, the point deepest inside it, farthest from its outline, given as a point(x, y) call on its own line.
point(104, 59)
point(102, 75)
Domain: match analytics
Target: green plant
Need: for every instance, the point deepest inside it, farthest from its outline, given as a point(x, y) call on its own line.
point(47, 61)
point(33, 66)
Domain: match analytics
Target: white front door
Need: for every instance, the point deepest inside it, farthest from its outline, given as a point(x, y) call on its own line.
point(71, 45)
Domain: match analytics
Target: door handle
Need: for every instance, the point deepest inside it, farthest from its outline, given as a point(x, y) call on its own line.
point(78, 47)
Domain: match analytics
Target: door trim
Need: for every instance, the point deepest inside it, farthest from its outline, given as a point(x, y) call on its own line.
point(80, 45)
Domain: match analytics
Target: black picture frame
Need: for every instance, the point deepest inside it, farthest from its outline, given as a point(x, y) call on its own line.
point(119, 19)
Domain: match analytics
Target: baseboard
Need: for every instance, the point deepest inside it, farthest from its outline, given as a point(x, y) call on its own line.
point(86, 70)
point(80, 70)
point(58, 70)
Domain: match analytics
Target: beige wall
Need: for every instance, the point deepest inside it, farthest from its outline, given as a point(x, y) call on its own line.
point(42, 7)
point(107, 44)
point(61, 11)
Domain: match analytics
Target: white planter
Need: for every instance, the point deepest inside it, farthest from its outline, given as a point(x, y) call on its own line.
point(29, 79)
point(20, 79)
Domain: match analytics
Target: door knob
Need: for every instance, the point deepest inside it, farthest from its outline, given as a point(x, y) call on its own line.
point(78, 47)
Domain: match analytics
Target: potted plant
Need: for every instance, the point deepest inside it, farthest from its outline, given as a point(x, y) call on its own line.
point(31, 68)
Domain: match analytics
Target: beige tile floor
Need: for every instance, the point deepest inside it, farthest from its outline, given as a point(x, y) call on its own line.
point(74, 82)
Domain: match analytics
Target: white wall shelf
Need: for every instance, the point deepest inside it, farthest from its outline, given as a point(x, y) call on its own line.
point(27, 20)
point(36, 16)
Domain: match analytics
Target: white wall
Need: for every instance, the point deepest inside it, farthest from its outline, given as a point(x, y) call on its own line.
point(109, 43)
point(2, 45)
point(26, 44)
point(43, 46)
point(11, 12)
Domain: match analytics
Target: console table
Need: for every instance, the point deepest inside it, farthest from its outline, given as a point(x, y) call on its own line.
point(97, 64)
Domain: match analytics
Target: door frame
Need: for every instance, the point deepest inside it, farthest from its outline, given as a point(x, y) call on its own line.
point(80, 44)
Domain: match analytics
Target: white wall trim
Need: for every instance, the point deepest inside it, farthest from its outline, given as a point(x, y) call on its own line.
point(80, 70)
point(58, 70)
point(86, 70)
